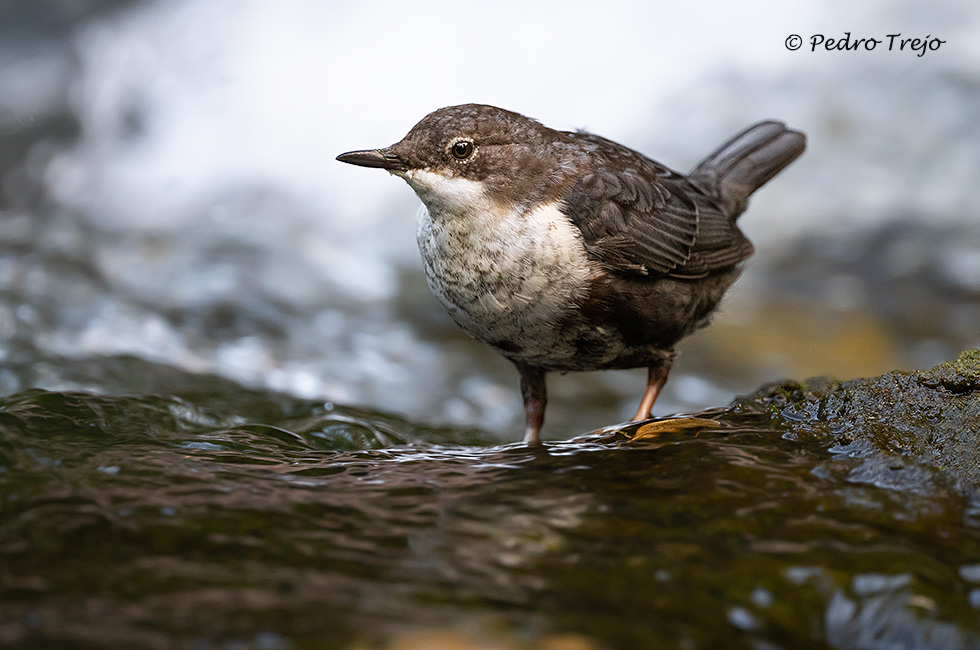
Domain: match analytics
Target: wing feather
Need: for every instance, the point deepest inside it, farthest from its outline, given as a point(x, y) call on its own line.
point(638, 217)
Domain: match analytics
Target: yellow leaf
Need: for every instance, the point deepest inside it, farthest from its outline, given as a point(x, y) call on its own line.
point(673, 425)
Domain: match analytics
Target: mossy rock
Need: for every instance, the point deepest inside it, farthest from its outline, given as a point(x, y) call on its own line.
point(928, 416)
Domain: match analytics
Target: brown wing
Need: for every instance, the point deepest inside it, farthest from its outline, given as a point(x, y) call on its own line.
point(638, 217)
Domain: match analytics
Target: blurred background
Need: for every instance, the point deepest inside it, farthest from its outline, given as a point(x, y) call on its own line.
point(168, 189)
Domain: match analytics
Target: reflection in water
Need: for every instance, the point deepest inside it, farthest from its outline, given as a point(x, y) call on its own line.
point(175, 520)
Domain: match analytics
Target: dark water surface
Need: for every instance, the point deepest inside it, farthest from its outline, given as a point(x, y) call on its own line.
point(154, 202)
point(248, 520)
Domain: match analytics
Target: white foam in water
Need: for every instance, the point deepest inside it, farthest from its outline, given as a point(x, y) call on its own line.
point(231, 92)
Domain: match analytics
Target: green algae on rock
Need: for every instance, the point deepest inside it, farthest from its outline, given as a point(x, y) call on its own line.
point(930, 416)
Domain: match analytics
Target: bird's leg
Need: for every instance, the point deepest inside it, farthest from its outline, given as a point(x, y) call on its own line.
point(656, 378)
point(535, 399)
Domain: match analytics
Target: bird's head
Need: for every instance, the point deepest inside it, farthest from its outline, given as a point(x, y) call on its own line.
point(458, 153)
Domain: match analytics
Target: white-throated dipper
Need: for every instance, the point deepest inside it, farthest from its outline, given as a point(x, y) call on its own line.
point(567, 251)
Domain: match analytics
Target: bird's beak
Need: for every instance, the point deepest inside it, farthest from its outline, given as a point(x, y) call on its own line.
point(383, 158)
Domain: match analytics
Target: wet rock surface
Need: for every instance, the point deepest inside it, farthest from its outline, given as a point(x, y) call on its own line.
point(188, 511)
point(929, 417)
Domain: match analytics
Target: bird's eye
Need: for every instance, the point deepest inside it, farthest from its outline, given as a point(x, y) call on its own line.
point(462, 149)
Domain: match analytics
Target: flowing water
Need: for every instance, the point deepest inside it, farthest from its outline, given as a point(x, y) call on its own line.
point(167, 191)
point(225, 519)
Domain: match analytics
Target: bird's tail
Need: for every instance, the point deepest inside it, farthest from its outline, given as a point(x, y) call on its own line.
point(746, 162)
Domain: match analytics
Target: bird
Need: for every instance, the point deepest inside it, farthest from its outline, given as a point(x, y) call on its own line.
point(566, 251)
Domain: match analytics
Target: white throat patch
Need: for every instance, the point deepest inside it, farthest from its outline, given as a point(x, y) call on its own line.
point(444, 194)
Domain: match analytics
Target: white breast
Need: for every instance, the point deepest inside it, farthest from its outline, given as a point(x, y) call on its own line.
point(503, 275)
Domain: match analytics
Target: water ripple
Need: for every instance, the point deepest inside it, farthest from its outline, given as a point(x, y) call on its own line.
point(231, 518)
